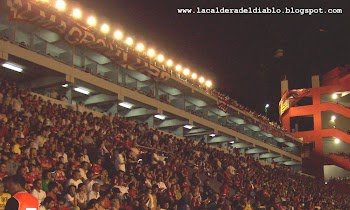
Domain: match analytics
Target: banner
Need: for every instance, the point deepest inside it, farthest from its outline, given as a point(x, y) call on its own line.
point(223, 102)
point(290, 98)
point(76, 34)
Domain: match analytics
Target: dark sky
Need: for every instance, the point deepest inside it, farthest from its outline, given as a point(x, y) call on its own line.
point(237, 50)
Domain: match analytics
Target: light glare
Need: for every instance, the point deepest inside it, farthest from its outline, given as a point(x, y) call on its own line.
point(208, 83)
point(186, 72)
point(140, 47)
point(334, 96)
point(129, 41)
point(105, 28)
point(336, 140)
point(151, 53)
point(82, 90)
point(201, 79)
point(118, 35)
point(178, 67)
point(91, 21)
point(194, 76)
point(169, 63)
point(77, 13)
point(160, 58)
point(12, 67)
point(333, 118)
point(60, 5)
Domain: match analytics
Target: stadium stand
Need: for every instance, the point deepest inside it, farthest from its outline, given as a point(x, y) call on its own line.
point(77, 160)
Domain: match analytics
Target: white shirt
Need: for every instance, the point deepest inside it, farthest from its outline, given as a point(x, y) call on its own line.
point(40, 195)
point(73, 182)
point(93, 195)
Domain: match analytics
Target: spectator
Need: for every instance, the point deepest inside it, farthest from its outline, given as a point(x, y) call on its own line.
point(38, 192)
point(47, 204)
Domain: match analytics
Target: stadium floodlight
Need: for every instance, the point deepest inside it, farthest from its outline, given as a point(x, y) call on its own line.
point(178, 67)
point(140, 47)
point(232, 142)
point(61, 5)
point(151, 53)
point(160, 116)
point(160, 58)
point(91, 21)
point(186, 72)
point(169, 63)
point(194, 76)
point(118, 35)
point(333, 118)
point(189, 127)
point(334, 96)
point(212, 135)
point(126, 105)
point(12, 67)
point(65, 85)
point(208, 83)
point(77, 13)
point(105, 28)
point(82, 90)
point(336, 140)
point(201, 80)
point(129, 41)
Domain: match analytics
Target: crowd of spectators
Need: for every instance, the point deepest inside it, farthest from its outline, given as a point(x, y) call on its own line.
point(74, 160)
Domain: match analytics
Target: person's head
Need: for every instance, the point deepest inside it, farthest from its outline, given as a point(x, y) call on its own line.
point(96, 187)
point(53, 187)
point(15, 184)
point(60, 203)
point(47, 175)
point(38, 184)
point(21, 171)
point(48, 202)
point(71, 190)
point(76, 175)
point(3, 167)
point(82, 188)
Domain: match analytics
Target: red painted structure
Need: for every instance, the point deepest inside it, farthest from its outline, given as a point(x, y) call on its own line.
point(337, 80)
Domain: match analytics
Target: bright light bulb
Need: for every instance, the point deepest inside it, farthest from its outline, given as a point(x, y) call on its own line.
point(178, 67)
point(334, 96)
point(194, 76)
point(129, 41)
point(160, 58)
point(140, 47)
point(105, 28)
point(60, 5)
point(77, 13)
point(208, 83)
point(169, 63)
point(151, 53)
point(337, 141)
point(333, 118)
point(186, 72)
point(201, 79)
point(118, 35)
point(91, 21)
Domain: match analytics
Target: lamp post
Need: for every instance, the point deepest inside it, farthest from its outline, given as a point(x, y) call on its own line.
point(266, 107)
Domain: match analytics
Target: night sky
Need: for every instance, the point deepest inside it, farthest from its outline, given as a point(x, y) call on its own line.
point(237, 50)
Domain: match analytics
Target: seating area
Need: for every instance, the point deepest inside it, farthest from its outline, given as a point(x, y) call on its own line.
point(81, 161)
